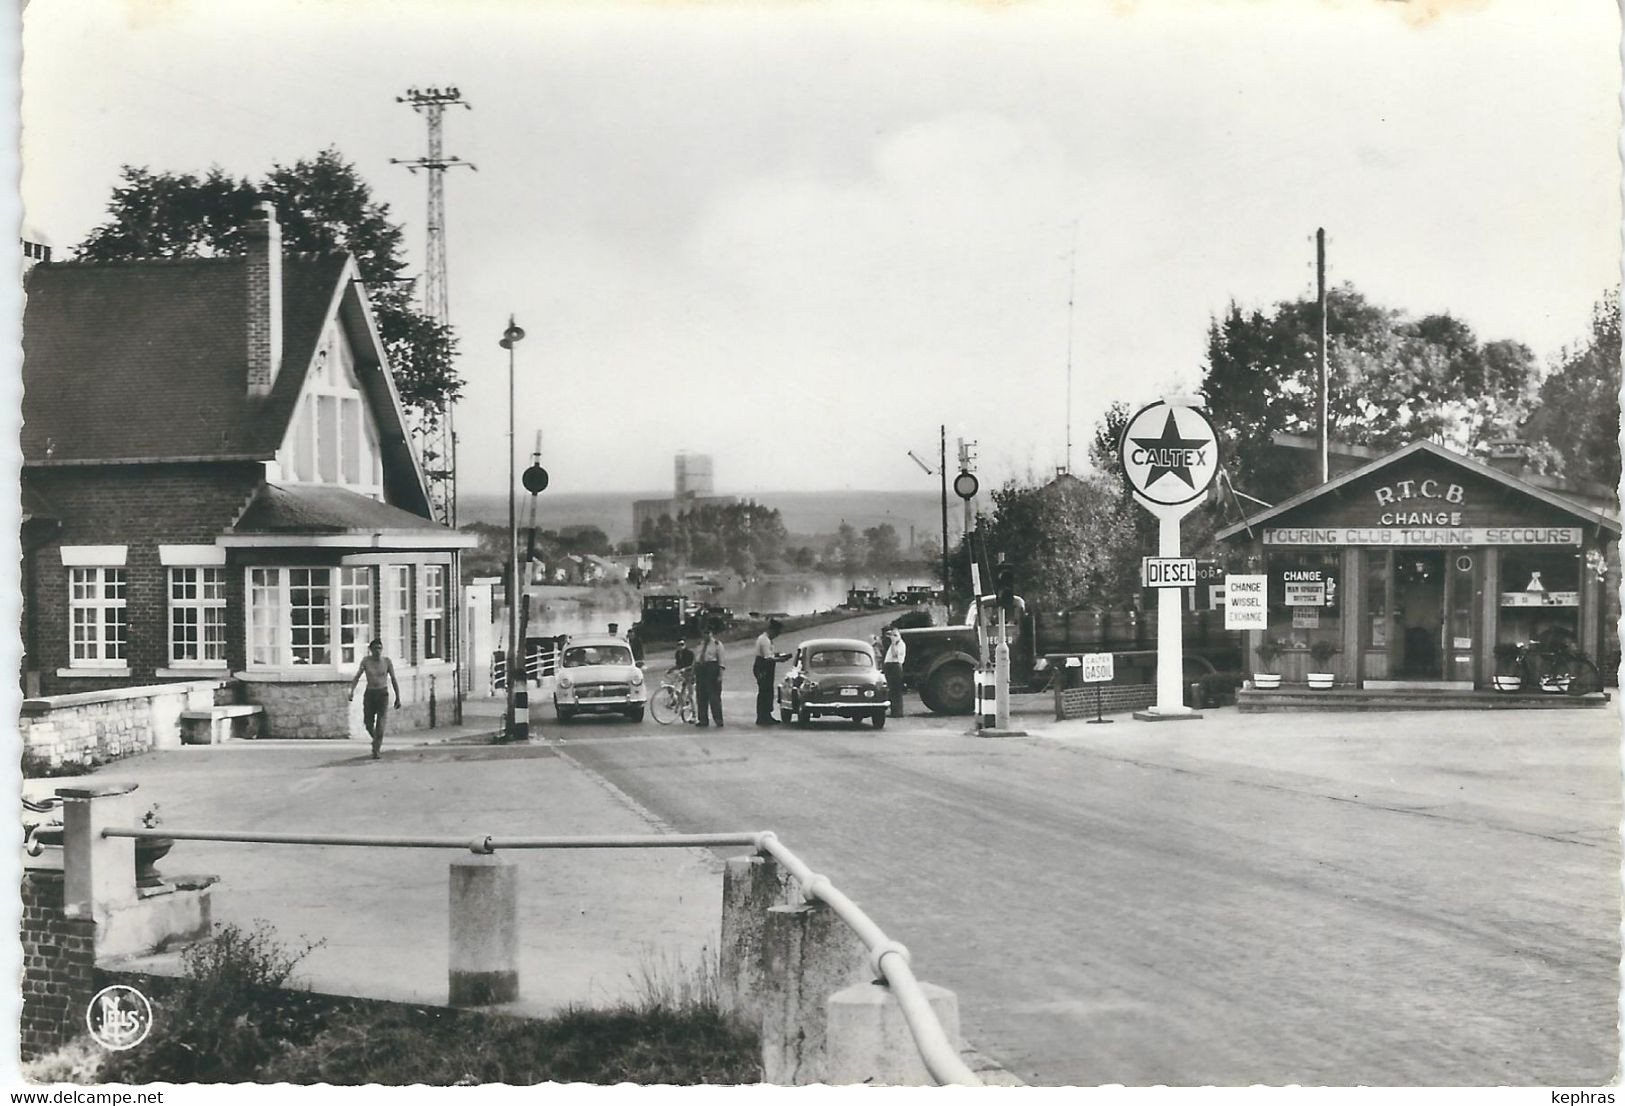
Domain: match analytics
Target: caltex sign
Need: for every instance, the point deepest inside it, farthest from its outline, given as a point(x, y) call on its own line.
point(1170, 454)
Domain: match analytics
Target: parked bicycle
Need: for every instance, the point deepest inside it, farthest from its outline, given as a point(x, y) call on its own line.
point(1553, 666)
point(674, 698)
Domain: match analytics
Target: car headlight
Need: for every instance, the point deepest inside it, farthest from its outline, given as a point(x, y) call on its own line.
point(637, 677)
point(809, 687)
point(868, 693)
point(565, 683)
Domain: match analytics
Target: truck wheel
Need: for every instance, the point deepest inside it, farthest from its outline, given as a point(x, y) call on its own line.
point(951, 690)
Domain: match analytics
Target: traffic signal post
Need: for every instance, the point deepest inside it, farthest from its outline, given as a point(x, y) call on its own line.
point(1004, 577)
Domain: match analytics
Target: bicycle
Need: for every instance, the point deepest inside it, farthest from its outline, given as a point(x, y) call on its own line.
point(1555, 667)
point(673, 700)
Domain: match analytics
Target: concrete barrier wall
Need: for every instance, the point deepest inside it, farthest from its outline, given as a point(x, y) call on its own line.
point(106, 725)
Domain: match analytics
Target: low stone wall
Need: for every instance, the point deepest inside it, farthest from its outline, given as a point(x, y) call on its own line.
point(59, 962)
point(323, 708)
point(105, 725)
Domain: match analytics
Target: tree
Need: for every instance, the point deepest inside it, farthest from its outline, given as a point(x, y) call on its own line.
point(323, 206)
point(1575, 426)
point(848, 548)
point(1069, 542)
point(1391, 380)
point(884, 549)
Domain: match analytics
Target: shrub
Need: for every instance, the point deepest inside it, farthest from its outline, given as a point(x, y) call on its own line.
point(1219, 688)
point(230, 1017)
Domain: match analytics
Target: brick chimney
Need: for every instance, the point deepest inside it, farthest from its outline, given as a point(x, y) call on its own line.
point(264, 236)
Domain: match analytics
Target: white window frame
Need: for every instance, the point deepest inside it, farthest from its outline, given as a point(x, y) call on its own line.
point(395, 583)
point(354, 608)
point(206, 607)
point(105, 651)
point(432, 603)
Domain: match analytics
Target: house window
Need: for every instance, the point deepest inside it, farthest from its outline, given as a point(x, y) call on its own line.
point(310, 615)
point(397, 635)
point(197, 616)
point(332, 440)
point(355, 613)
point(434, 612)
point(265, 619)
point(96, 612)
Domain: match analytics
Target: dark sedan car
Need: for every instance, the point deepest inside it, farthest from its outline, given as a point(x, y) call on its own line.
point(836, 676)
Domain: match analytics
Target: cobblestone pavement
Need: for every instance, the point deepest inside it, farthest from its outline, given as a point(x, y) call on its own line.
point(1401, 899)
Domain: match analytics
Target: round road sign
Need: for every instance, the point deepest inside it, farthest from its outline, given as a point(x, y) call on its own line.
point(965, 485)
point(1169, 454)
point(534, 479)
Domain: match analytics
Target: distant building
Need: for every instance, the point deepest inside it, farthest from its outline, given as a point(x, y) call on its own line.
point(692, 488)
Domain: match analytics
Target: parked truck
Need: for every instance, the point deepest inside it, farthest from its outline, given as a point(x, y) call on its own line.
point(941, 661)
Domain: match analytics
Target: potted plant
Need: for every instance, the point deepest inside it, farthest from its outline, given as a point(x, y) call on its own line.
point(1322, 651)
point(1268, 651)
point(1508, 677)
point(150, 850)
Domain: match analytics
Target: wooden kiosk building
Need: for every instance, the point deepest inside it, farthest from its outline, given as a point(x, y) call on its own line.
point(1415, 565)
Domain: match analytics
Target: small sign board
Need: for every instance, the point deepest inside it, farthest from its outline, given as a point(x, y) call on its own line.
point(1167, 572)
point(1306, 618)
point(1305, 594)
point(1246, 605)
point(1097, 668)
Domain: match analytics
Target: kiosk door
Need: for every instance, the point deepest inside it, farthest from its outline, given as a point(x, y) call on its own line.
point(1419, 614)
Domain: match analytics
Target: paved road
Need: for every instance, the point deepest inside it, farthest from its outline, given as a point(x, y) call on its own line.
point(1413, 899)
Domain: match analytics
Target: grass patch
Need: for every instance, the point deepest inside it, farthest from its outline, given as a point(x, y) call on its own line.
point(235, 1018)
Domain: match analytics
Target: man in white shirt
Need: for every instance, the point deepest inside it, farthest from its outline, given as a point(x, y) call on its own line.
point(892, 666)
point(762, 668)
point(708, 678)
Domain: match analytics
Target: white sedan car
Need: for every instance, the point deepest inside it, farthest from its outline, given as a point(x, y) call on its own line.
point(596, 675)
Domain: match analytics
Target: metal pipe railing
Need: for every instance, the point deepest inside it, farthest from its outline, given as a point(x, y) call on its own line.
point(888, 959)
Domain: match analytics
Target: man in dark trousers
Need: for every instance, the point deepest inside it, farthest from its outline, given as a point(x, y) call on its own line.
point(892, 666)
point(379, 671)
point(762, 669)
point(708, 678)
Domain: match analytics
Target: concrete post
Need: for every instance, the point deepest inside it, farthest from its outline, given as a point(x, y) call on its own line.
point(808, 954)
point(98, 873)
point(868, 1041)
point(484, 961)
point(751, 886)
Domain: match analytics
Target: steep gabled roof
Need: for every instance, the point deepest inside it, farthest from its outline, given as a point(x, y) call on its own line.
point(146, 360)
point(1550, 498)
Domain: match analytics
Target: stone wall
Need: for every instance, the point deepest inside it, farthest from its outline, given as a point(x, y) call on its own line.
point(106, 725)
point(59, 963)
point(323, 708)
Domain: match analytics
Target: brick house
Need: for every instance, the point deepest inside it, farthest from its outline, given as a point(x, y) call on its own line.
point(217, 482)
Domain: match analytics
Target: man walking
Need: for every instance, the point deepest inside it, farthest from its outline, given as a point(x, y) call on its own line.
point(380, 673)
point(892, 666)
point(708, 678)
point(762, 669)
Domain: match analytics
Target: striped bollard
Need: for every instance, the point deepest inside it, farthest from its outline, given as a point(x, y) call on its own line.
point(986, 701)
point(521, 713)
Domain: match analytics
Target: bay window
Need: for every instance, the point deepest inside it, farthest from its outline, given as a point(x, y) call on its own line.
point(301, 617)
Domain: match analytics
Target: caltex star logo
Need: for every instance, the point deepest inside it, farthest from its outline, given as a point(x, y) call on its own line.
point(1171, 454)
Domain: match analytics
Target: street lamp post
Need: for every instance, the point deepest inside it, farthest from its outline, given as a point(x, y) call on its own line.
point(518, 703)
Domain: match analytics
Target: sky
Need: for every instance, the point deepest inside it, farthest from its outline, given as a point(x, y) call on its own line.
point(801, 236)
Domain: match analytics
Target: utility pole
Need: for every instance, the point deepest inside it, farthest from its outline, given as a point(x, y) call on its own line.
point(438, 446)
point(967, 462)
point(942, 468)
point(1325, 385)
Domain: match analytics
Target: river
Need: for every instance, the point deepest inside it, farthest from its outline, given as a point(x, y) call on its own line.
point(576, 610)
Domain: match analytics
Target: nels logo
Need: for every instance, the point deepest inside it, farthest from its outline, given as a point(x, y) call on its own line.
point(119, 1017)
